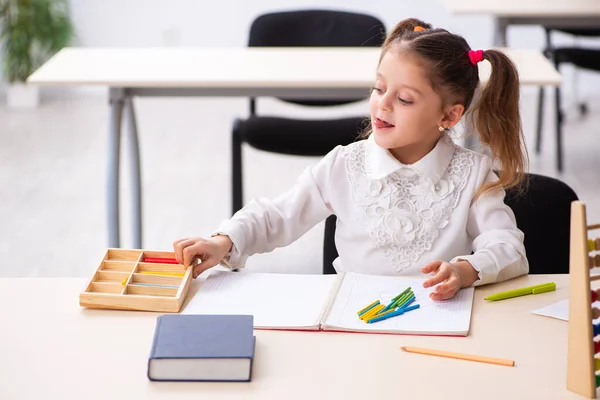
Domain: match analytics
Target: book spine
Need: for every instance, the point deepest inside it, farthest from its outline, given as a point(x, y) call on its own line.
point(335, 288)
point(153, 348)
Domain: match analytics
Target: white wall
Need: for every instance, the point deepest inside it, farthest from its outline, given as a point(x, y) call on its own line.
point(225, 22)
point(123, 23)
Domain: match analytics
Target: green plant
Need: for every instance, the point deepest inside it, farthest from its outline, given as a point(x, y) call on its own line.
point(31, 32)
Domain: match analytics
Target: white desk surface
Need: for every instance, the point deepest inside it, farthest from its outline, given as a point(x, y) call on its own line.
point(526, 8)
point(53, 349)
point(228, 68)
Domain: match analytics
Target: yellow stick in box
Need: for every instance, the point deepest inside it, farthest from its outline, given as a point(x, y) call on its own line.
point(161, 273)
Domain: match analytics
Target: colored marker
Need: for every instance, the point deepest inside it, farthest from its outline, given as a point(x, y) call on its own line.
point(537, 289)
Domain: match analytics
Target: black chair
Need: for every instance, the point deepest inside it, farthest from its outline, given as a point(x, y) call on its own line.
point(584, 58)
point(303, 137)
point(543, 213)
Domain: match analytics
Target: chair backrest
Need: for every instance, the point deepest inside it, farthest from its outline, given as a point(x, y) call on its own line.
point(330, 252)
point(316, 28)
point(543, 213)
point(583, 32)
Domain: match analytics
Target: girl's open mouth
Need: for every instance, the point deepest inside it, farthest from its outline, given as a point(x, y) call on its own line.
point(381, 124)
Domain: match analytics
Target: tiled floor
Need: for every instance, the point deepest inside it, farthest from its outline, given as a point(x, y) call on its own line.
point(52, 178)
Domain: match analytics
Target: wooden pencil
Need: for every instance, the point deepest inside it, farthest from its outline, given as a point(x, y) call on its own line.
point(468, 357)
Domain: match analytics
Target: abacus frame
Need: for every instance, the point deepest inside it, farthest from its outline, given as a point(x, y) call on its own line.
point(581, 371)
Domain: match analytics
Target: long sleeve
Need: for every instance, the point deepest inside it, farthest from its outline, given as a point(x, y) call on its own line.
point(498, 249)
point(263, 224)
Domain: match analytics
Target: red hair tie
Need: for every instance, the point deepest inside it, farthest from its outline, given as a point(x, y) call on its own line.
point(475, 56)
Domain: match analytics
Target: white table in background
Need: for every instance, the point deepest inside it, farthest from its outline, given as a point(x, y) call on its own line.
point(554, 13)
point(53, 349)
point(242, 72)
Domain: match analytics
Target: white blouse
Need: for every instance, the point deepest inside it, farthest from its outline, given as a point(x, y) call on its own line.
point(391, 218)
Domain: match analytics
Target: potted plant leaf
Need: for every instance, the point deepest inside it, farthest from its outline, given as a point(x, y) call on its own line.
point(31, 31)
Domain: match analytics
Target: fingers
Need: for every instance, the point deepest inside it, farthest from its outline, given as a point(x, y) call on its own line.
point(449, 286)
point(441, 275)
point(187, 250)
point(443, 296)
point(178, 247)
point(446, 290)
point(431, 267)
point(194, 250)
point(179, 241)
point(203, 266)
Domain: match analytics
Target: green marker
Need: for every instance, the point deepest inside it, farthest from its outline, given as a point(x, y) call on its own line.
point(537, 289)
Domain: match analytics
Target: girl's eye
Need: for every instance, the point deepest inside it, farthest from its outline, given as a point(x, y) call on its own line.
point(407, 102)
point(376, 89)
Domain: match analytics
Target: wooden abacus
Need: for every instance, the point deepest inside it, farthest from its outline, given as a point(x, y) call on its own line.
point(137, 280)
point(582, 363)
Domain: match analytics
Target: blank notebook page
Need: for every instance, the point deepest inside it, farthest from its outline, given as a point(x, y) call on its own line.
point(357, 291)
point(275, 300)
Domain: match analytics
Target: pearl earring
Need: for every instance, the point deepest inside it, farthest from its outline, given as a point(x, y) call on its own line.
point(441, 128)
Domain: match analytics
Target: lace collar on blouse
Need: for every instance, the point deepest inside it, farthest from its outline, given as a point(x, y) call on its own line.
point(381, 163)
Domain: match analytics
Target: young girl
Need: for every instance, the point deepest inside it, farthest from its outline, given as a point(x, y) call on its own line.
point(407, 199)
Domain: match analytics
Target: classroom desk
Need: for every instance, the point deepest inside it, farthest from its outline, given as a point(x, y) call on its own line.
point(245, 72)
point(554, 13)
point(53, 349)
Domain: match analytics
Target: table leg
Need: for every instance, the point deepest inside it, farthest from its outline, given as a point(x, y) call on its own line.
point(540, 117)
point(112, 183)
point(136, 186)
point(500, 32)
point(559, 120)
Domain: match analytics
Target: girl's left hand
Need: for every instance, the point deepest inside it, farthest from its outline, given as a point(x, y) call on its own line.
point(446, 277)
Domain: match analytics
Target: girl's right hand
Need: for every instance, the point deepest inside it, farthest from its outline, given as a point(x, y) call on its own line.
point(209, 252)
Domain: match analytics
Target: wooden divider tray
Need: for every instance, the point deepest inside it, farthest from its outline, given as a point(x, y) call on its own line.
point(125, 281)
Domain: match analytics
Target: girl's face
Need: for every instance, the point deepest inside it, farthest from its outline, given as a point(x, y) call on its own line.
point(406, 112)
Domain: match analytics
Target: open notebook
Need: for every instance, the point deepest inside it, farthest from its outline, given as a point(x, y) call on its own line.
point(328, 302)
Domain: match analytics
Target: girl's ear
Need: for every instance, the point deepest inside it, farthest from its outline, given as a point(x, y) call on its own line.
point(452, 114)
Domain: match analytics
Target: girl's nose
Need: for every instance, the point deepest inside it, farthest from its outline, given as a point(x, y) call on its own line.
point(384, 103)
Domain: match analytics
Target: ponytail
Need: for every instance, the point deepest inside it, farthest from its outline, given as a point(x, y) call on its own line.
point(497, 119)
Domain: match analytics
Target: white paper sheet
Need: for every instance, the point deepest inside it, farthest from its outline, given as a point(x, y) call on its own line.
point(449, 317)
point(275, 300)
point(558, 310)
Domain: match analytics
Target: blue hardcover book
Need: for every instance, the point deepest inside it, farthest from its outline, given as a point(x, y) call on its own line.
point(202, 348)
